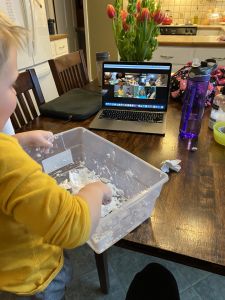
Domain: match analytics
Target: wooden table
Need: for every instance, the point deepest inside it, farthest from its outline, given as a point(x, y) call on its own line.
point(188, 223)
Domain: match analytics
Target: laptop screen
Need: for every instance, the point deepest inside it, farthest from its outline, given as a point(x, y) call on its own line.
point(136, 85)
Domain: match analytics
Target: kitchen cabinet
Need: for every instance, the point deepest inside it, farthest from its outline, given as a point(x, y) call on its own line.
point(210, 52)
point(179, 49)
point(208, 32)
point(178, 56)
point(59, 47)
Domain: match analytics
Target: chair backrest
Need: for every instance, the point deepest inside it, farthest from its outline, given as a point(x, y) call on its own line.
point(29, 96)
point(69, 71)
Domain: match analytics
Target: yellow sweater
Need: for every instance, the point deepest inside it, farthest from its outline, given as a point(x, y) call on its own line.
point(37, 220)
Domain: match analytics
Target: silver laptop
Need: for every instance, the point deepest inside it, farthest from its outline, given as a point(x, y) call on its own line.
point(134, 97)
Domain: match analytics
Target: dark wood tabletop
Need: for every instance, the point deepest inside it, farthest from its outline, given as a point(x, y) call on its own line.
point(188, 221)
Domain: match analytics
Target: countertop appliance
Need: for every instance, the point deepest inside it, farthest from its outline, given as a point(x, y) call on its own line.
point(31, 14)
point(178, 30)
point(168, 18)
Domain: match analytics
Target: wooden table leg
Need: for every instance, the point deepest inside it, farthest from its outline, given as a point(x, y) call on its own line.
point(103, 273)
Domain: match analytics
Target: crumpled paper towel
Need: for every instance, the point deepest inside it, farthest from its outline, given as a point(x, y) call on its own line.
point(168, 165)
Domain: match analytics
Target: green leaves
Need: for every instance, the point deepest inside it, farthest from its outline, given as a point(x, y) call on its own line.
point(118, 5)
point(136, 29)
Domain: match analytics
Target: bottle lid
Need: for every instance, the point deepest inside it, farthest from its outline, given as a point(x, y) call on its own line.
point(196, 63)
point(203, 68)
point(102, 55)
point(204, 64)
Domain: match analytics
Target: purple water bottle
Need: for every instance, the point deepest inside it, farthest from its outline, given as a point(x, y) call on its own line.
point(194, 98)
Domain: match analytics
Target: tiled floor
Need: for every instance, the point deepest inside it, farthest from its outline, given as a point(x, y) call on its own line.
point(123, 264)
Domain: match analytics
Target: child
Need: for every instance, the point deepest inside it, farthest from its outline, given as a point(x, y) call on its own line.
point(38, 219)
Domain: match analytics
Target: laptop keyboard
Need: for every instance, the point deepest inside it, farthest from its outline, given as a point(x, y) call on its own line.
point(126, 115)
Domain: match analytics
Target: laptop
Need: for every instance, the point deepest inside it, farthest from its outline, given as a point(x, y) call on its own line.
point(134, 97)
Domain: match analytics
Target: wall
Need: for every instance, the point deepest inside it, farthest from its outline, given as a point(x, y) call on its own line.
point(183, 10)
point(49, 9)
point(100, 33)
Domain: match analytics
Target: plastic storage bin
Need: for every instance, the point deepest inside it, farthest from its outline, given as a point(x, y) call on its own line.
point(140, 181)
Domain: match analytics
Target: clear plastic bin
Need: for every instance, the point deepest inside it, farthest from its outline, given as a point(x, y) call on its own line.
point(140, 181)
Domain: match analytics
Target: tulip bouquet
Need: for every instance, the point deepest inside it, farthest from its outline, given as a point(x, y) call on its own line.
point(136, 29)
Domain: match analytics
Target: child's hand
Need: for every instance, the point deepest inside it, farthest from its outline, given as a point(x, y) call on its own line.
point(99, 189)
point(95, 194)
point(36, 138)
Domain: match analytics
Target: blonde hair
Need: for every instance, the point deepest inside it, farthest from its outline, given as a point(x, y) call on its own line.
point(10, 35)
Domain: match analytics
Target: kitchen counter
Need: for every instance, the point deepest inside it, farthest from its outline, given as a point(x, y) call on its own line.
point(206, 40)
point(54, 37)
point(192, 41)
point(208, 27)
point(217, 26)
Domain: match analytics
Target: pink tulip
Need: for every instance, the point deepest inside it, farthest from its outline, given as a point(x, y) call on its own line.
point(138, 17)
point(125, 26)
point(158, 16)
point(145, 14)
point(111, 12)
point(123, 15)
point(138, 6)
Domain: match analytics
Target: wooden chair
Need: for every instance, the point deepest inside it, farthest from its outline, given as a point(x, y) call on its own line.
point(69, 71)
point(29, 97)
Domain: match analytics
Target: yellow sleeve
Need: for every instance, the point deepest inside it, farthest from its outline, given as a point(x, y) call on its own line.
point(34, 199)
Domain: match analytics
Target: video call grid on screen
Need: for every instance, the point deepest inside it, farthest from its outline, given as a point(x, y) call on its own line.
point(140, 86)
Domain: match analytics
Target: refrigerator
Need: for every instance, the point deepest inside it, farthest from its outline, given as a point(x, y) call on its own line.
point(31, 14)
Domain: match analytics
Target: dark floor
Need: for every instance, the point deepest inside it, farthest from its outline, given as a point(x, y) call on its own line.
point(123, 264)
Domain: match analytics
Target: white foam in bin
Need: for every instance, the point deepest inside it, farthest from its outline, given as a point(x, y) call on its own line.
point(140, 181)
